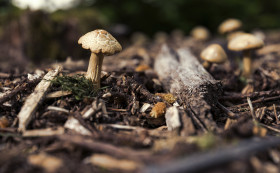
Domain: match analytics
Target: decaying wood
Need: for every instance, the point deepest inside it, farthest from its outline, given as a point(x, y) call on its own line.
point(184, 76)
point(35, 99)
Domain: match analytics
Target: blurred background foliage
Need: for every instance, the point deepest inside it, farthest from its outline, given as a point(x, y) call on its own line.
point(52, 33)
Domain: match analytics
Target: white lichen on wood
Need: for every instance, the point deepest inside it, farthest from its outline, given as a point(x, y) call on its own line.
point(34, 99)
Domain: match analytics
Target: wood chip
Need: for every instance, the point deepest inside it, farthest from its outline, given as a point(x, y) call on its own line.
point(75, 125)
point(43, 132)
point(54, 108)
point(145, 107)
point(58, 94)
point(96, 105)
point(34, 99)
point(109, 162)
point(49, 163)
point(122, 127)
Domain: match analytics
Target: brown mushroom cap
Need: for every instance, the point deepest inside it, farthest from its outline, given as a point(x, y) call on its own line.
point(100, 41)
point(214, 54)
point(245, 42)
point(200, 33)
point(230, 25)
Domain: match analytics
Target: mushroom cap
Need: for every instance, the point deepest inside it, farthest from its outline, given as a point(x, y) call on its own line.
point(200, 33)
point(214, 54)
point(230, 25)
point(234, 34)
point(100, 41)
point(245, 42)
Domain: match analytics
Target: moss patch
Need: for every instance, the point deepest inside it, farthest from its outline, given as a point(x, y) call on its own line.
point(78, 85)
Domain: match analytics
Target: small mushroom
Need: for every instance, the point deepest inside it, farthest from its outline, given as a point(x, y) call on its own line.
point(229, 25)
point(200, 33)
point(213, 54)
point(100, 43)
point(245, 43)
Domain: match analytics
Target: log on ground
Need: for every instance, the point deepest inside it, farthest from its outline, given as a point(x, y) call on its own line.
point(184, 76)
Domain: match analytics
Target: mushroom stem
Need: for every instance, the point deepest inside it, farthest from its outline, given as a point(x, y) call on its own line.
point(207, 65)
point(247, 64)
point(94, 69)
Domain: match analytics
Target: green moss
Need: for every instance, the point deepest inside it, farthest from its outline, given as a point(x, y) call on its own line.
point(79, 86)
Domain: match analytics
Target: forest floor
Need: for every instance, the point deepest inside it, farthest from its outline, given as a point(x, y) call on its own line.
point(70, 128)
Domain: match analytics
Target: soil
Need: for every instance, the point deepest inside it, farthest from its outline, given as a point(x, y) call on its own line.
point(119, 136)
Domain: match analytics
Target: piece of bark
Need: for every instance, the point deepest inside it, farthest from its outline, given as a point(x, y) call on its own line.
point(34, 99)
point(183, 75)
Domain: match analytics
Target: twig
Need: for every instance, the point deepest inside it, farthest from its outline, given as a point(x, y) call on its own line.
point(262, 114)
point(251, 108)
point(230, 114)
point(239, 96)
point(122, 127)
point(258, 101)
point(190, 113)
point(54, 108)
point(33, 100)
point(275, 114)
point(118, 110)
point(102, 147)
point(270, 128)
